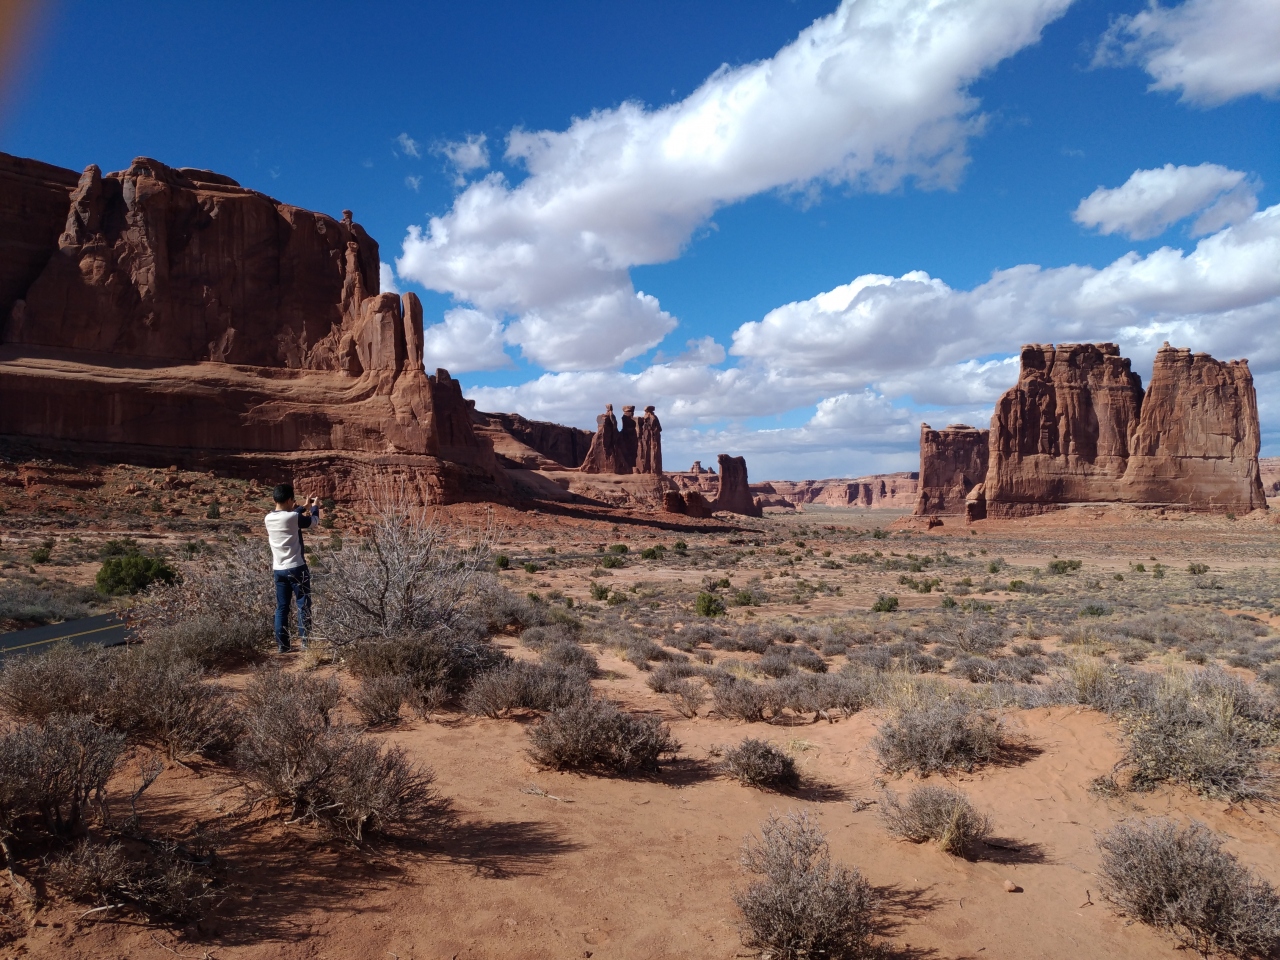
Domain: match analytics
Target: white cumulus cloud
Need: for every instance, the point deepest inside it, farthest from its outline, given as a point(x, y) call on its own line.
point(386, 278)
point(465, 156)
point(465, 340)
point(872, 95)
point(1211, 51)
point(1151, 201)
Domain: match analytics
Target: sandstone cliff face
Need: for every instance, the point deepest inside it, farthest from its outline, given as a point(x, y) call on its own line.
point(952, 462)
point(886, 491)
point(636, 447)
point(1078, 427)
point(33, 210)
point(735, 490)
point(181, 317)
point(533, 444)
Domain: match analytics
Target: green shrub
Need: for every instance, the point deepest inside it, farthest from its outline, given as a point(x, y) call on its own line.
point(1197, 569)
point(42, 553)
point(619, 548)
point(651, 553)
point(599, 591)
point(1064, 566)
point(681, 546)
point(885, 604)
point(708, 605)
point(214, 512)
point(502, 561)
point(131, 574)
point(612, 562)
point(531, 567)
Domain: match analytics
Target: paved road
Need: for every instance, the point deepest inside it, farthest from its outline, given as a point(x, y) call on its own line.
point(106, 630)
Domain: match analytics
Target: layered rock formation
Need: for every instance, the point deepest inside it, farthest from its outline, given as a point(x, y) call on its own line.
point(952, 462)
point(533, 444)
point(178, 317)
point(887, 491)
point(636, 447)
point(1078, 428)
point(732, 491)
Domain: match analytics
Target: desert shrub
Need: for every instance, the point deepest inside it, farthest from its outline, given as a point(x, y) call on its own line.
point(536, 638)
point(687, 696)
point(708, 605)
point(757, 763)
point(1180, 880)
point(664, 677)
point(211, 641)
point(28, 602)
point(748, 639)
point(447, 659)
point(529, 686)
point(378, 699)
point(975, 636)
point(63, 680)
point(596, 735)
point(935, 813)
point(775, 663)
point(503, 610)
point(807, 659)
point(409, 573)
point(1064, 566)
point(612, 562)
point(1106, 687)
point(804, 906)
point(151, 698)
point(132, 573)
point(931, 732)
point(1209, 731)
point(292, 753)
point(740, 699)
point(50, 774)
point(885, 603)
point(567, 653)
point(163, 881)
point(1013, 669)
point(823, 696)
point(225, 597)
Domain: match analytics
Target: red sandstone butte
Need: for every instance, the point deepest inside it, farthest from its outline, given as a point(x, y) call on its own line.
point(636, 447)
point(735, 491)
point(952, 462)
point(176, 316)
point(1078, 428)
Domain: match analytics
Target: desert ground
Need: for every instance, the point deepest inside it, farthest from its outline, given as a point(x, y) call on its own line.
point(518, 859)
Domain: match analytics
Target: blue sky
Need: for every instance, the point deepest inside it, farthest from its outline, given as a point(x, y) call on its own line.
point(777, 221)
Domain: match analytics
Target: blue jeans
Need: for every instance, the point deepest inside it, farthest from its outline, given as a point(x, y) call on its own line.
point(292, 584)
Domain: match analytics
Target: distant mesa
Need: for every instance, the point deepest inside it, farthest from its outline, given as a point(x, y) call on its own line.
point(161, 315)
point(1079, 428)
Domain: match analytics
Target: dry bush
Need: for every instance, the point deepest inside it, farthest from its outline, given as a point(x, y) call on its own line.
point(528, 686)
point(539, 638)
point(504, 610)
point(571, 655)
point(596, 735)
point(219, 613)
point(1006, 669)
point(163, 882)
point(664, 678)
point(378, 699)
point(51, 774)
point(330, 773)
point(63, 680)
point(409, 573)
point(1108, 688)
point(804, 907)
point(757, 763)
point(152, 699)
point(447, 659)
point(975, 636)
point(687, 696)
point(1180, 880)
point(737, 699)
point(776, 663)
point(935, 813)
point(930, 731)
point(1210, 731)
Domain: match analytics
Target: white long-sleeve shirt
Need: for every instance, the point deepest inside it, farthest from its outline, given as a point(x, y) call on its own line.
point(284, 534)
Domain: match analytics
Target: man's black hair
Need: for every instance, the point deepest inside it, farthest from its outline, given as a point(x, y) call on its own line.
point(283, 493)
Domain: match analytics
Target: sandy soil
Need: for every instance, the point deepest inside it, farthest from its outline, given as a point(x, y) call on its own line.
point(541, 864)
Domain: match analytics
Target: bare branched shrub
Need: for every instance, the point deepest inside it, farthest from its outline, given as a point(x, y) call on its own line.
point(930, 731)
point(378, 699)
point(53, 773)
point(293, 754)
point(162, 881)
point(527, 686)
point(1181, 880)
point(409, 573)
point(740, 699)
point(539, 638)
point(935, 813)
point(219, 613)
point(665, 676)
point(758, 763)
point(976, 636)
point(596, 735)
point(803, 906)
point(153, 699)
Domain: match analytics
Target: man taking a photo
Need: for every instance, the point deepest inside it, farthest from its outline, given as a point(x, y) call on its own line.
point(289, 561)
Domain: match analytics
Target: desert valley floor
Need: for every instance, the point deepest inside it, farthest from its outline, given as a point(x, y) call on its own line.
point(529, 862)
